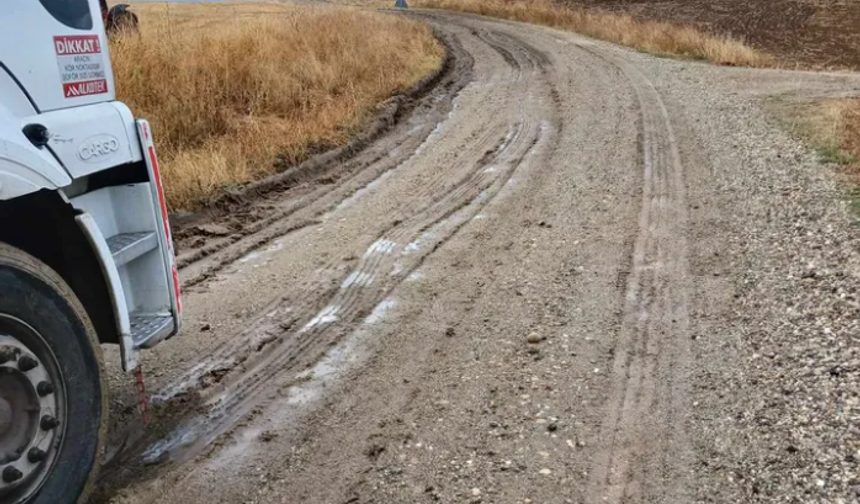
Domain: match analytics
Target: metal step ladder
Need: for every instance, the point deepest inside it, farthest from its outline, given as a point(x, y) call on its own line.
point(146, 330)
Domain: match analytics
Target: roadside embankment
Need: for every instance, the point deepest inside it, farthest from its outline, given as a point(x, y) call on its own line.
point(232, 87)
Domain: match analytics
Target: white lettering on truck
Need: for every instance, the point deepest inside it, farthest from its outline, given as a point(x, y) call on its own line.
point(86, 44)
point(95, 148)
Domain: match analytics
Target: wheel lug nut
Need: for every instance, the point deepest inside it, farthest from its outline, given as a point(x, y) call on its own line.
point(11, 474)
point(44, 388)
point(35, 455)
point(27, 363)
point(49, 423)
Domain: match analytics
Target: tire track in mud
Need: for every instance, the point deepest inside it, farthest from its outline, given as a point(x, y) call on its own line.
point(645, 455)
point(434, 191)
point(284, 213)
point(302, 195)
point(296, 330)
point(352, 302)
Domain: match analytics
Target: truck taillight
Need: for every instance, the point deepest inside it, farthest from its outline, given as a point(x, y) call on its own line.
point(152, 163)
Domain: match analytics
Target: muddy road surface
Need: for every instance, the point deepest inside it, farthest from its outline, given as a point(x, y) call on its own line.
point(561, 272)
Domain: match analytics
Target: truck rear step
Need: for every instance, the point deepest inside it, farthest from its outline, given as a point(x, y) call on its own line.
point(127, 247)
point(149, 330)
point(126, 220)
point(146, 330)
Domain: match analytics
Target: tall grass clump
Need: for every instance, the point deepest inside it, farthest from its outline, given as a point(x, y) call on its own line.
point(650, 36)
point(848, 126)
point(834, 127)
point(229, 87)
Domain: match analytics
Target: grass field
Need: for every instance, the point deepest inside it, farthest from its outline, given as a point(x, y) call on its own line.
point(807, 33)
point(651, 36)
point(229, 87)
point(812, 34)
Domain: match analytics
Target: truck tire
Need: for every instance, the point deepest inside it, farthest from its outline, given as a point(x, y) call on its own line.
point(52, 410)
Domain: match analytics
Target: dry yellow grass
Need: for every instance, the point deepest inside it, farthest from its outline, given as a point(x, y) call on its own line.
point(832, 127)
point(848, 126)
point(228, 87)
point(651, 36)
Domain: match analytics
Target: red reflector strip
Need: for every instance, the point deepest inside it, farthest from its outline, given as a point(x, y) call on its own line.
point(157, 175)
point(177, 290)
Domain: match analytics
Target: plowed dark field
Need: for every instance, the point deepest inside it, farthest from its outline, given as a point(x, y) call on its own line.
point(813, 33)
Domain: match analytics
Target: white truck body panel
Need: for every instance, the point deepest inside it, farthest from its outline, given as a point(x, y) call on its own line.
point(90, 139)
point(73, 63)
point(14, 98)
point(23, 167)
point(81, 192)
point(56, 78)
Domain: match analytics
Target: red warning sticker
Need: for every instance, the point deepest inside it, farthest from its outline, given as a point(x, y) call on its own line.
point(81, 63)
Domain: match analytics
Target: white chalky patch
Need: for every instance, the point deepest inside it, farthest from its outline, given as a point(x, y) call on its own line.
point(380, 311)
point(412, 247)
point(381, 246)
point(326, 316)
point(357, 278)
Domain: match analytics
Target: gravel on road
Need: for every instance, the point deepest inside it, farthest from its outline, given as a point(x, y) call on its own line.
point(570, 273)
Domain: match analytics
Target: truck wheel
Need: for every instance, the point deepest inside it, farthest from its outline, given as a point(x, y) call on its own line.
point(52, 411)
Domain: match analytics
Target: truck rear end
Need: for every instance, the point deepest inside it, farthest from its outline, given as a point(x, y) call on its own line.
point(86, 254)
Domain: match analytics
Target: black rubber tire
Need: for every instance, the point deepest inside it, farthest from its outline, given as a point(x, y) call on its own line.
point(37, 295)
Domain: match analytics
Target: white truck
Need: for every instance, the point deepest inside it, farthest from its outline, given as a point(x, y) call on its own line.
point(86, 256)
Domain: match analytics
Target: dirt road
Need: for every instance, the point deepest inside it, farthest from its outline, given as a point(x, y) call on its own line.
point(563, 272)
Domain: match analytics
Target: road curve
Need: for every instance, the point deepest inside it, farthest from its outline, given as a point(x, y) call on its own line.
point(522, 292)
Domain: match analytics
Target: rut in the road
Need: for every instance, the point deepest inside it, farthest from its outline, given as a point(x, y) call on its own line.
point(295, 330)
point(304, 194)
point(645, 453)
point(292, 203)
